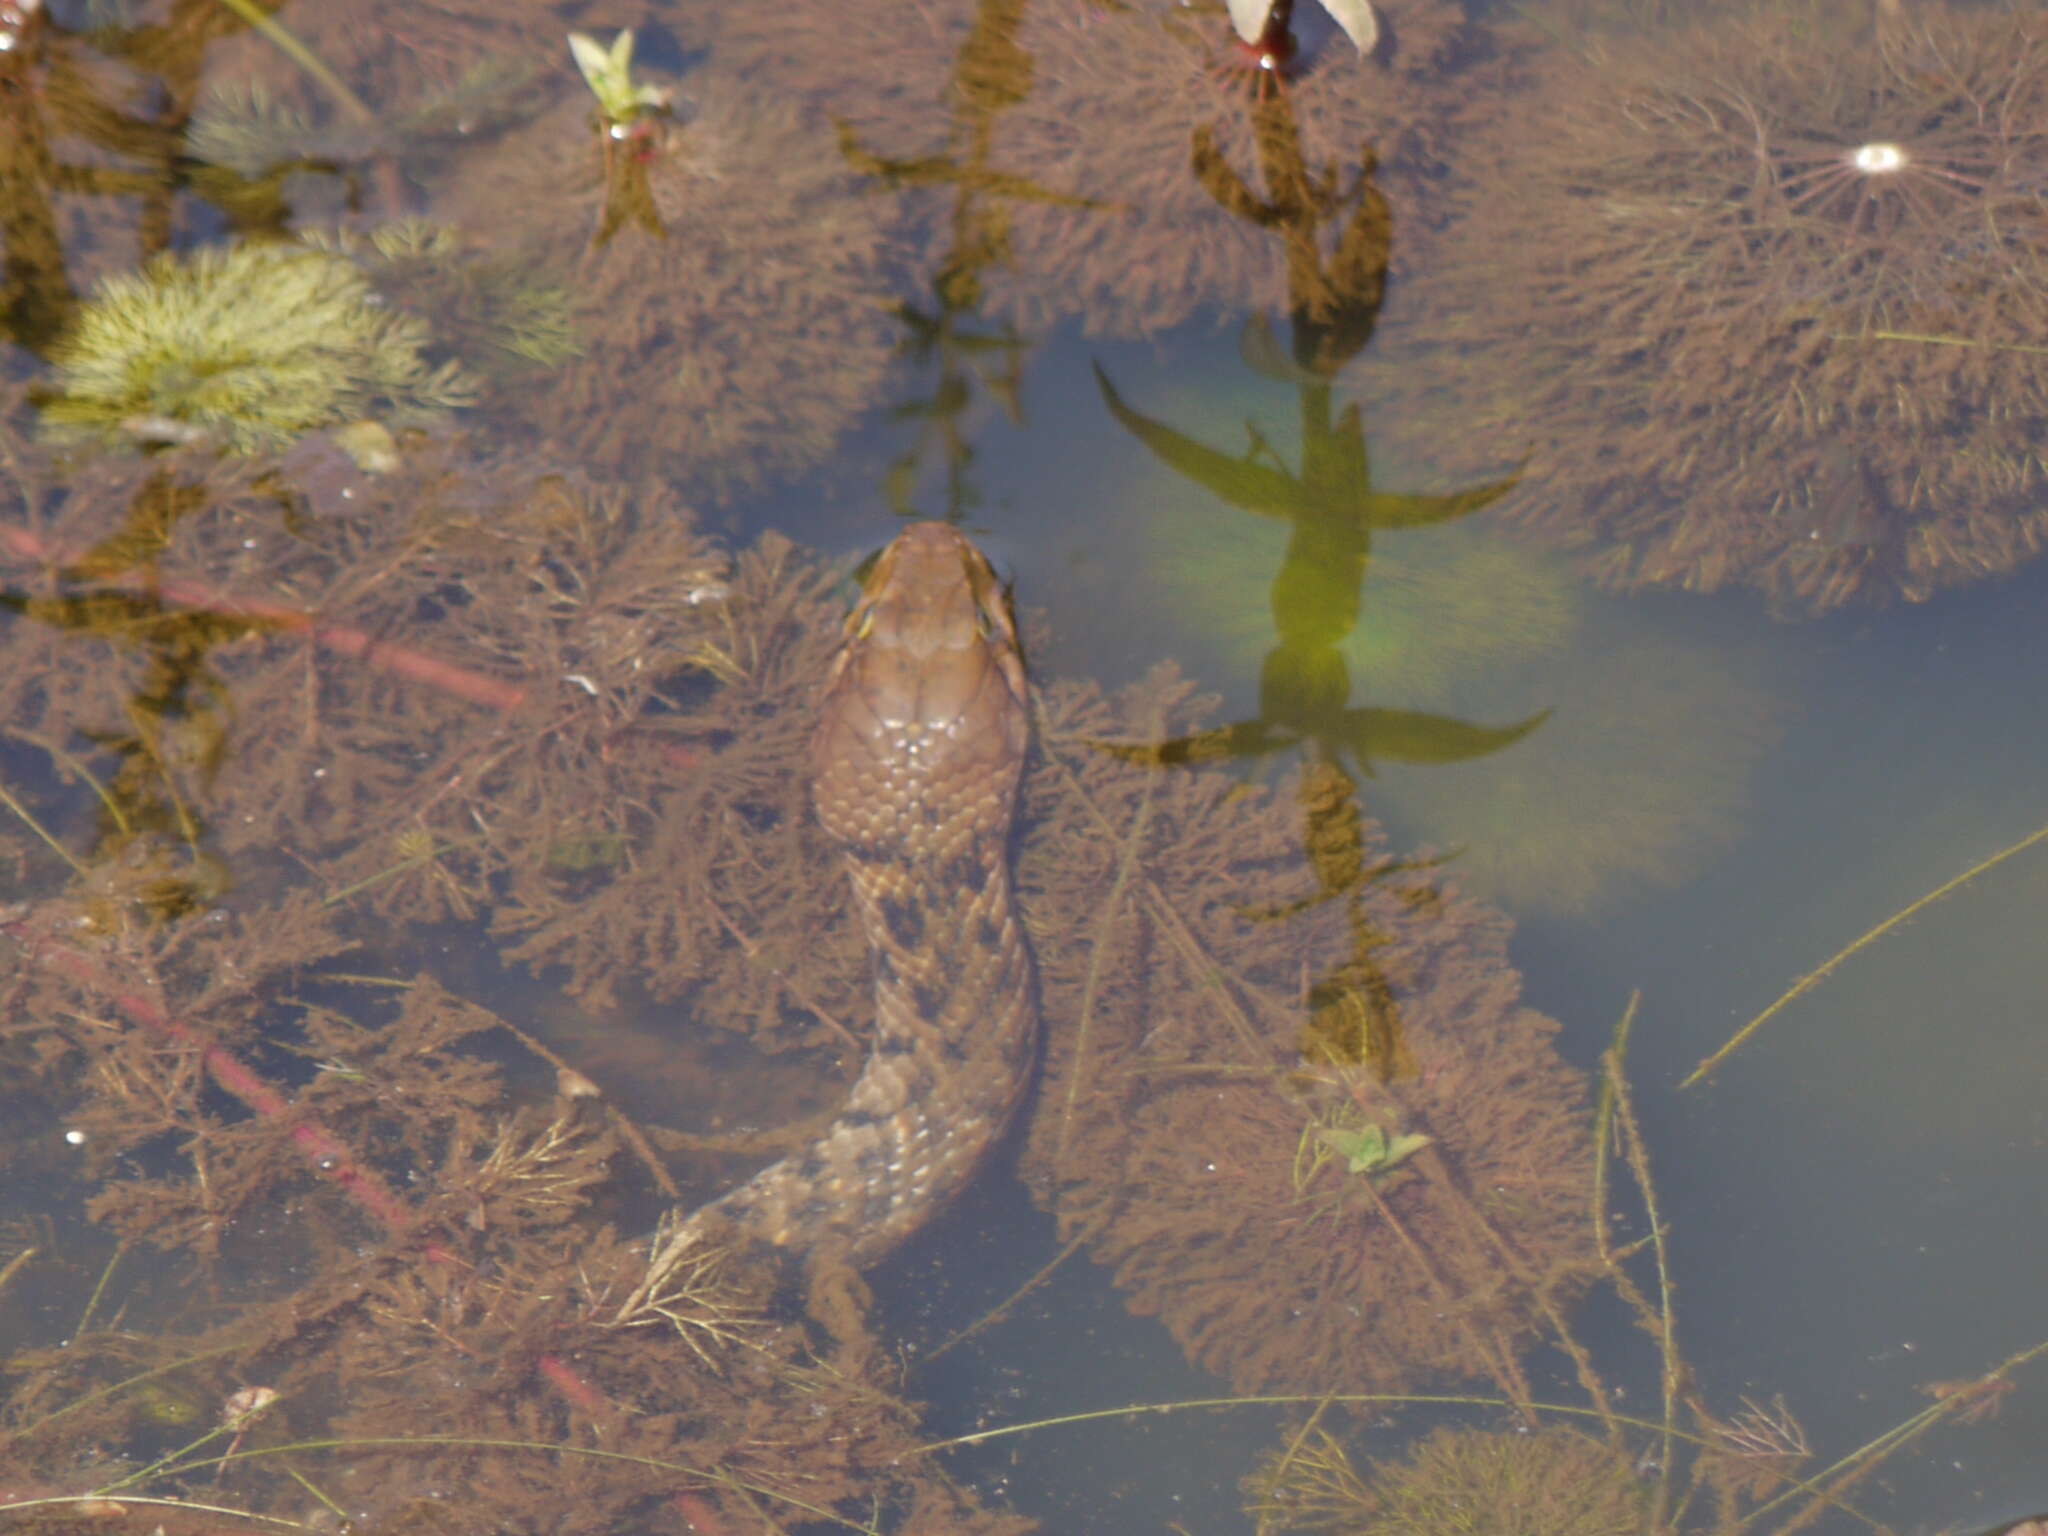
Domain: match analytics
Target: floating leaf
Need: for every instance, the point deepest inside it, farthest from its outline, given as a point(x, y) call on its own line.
point(1367, 1149)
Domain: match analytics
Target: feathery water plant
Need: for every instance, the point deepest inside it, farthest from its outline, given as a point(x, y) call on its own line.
point(250, 346)
point(495, 312)
point(248, 130)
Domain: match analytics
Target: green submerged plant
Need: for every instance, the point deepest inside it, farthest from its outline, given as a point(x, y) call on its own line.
point(1362, 1144)
point(1550, 1482)
point(1369, 1149)
point(501, 316)
point(250, 346)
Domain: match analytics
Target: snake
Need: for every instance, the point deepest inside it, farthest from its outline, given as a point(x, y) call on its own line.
point(916, 762)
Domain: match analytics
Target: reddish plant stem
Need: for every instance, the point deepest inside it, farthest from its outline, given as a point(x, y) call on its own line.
point(327, 1153)
point(399, 660)
point(703, 1518)
point(342, 639)
point(574, 1390)
point(330, 1157)
point(697, 1511)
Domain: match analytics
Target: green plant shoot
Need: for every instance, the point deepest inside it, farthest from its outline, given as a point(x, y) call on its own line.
point(1369, 1149)
point(609, 74)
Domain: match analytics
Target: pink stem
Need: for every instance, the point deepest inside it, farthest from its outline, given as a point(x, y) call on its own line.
point(325, 1151)
point(401, 661)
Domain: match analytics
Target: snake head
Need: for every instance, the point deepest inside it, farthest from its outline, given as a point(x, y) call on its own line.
point(925, 718)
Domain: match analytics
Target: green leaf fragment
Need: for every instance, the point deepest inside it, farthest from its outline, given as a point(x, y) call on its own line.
point(1401, 1148)
point(1368, 1149)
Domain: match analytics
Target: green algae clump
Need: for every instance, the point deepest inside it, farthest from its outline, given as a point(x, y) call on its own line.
point(250, 346)
point(1549, 1483)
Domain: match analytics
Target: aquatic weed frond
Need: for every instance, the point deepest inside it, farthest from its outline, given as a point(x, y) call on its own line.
point(254, 345)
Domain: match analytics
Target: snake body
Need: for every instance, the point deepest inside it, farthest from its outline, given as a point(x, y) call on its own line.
point(916, 761)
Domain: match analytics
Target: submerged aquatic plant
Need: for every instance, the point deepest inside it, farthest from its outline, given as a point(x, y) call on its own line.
point(1307, 1485)
point(496, 313)
point(248, 130)
point(738, 346)
point(1107, 100)
point(1549, 1483)
point(1120, 96)
point(251, 345)
point(256, 146)
point(1764, 296)
point(1181, 1132)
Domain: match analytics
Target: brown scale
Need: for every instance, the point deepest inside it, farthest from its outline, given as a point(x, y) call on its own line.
point(916, 763)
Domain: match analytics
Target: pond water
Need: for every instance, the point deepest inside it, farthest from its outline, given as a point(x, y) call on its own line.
point(1523, 542)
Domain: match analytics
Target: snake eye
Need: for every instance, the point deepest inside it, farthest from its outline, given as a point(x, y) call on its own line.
point(989, 576)
point(1002, 567)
